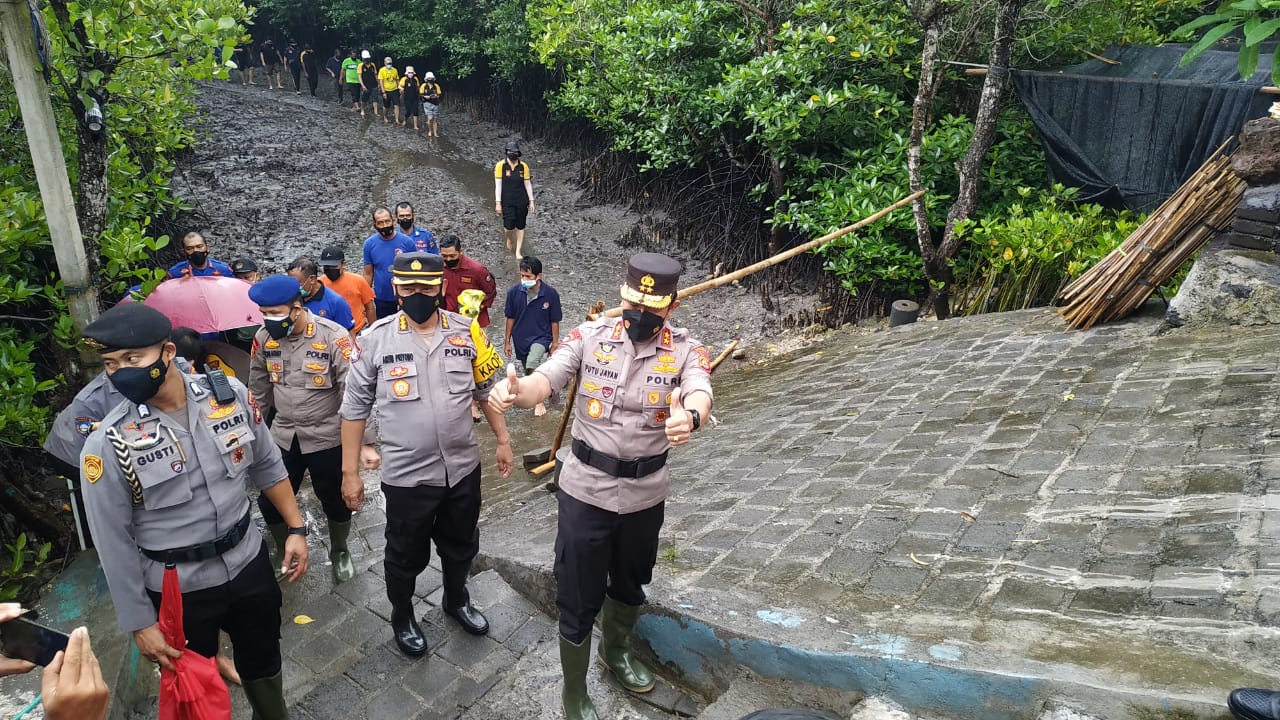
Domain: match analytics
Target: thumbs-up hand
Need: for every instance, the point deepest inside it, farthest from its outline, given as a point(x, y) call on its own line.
point(504, 394)
point(679, 421)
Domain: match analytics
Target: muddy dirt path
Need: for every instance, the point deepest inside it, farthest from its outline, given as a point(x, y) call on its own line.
point(276, 176)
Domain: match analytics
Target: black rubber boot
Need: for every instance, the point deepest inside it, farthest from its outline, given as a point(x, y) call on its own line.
point(574, 660)
point(617, 621)
point(266, 697)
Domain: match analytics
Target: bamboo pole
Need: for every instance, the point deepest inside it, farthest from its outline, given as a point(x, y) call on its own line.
point(721, 357)
point(787, 254)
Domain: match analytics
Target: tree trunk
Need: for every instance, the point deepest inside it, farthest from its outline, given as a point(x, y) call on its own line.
point(1008, 13)
point(91, 193)
point(932, 17)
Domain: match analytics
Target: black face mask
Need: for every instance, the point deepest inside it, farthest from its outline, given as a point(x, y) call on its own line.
point(333, 273)
point(513, 156)
point(419, 307)
point(387, 231)
point(453, 263)
point(641, 325)
point(139, 385)
point(198, 258)
point(278, 328)
point(405, 224)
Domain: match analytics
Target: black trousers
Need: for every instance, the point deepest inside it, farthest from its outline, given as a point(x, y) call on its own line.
point(325, 467)
point(247, 608)
point(296, 71)
point(313, 80)
point(600, 553)
point(418, 516)
point(386, 308)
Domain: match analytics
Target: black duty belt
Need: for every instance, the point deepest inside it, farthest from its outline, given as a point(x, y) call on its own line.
point(203, 551)
point(618, 467)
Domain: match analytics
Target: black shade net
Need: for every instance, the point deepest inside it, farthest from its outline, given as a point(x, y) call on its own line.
point(1128, 135)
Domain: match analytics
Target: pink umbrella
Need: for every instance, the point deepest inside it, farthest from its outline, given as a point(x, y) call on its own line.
point(205, 303)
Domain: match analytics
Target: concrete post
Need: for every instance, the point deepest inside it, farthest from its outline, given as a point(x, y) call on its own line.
point(46, 155)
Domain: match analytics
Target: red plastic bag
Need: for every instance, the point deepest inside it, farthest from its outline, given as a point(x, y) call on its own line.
point(195, 691)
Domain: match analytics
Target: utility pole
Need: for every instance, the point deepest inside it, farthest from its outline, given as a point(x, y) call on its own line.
point(46, 155)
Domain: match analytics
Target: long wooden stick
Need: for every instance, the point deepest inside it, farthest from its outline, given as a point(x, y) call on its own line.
point(787, 254)
point(721, 357)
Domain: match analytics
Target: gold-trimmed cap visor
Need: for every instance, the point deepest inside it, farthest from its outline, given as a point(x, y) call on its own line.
point(417, 267)
point(652, 279)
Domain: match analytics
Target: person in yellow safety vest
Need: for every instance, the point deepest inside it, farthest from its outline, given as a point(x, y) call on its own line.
point(389, 79)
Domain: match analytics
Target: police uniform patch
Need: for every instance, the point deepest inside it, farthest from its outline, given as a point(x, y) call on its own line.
point(457, 340)
point(319, 346)
point(275, 366)
point(594, 408)
point(275, 377)
point(253, 350)
point(401, 388)
point(606, 392)
point(257, 411)
point(272, 344)
point(398, 371)
point(232, 440)
point(661, 416)
point(655, 397)
point(666, 358)
point(177, 466)
point(666, 337)
point(317, 367)
point(603, 354)
point(349, 353)
point(92, 468)
point(404, 323)
point(84, 426)
point(618, 329)
point(590, 386)
point(217, 412)
point(311, 329)
point(668, 400)
point(704, 360)
point(318, 380)
point(665, 368)
point(237, 456)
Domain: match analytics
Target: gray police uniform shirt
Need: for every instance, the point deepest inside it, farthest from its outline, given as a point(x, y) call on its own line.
point(622, 405)
point(302, 377)
point(72, 426)
point(423, 386)
point(193, 491)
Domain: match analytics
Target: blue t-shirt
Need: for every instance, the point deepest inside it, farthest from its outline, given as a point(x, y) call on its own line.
point(533, 318)
point(381, 254)
point(423, 240)
point(332, 306)
point(211, 267)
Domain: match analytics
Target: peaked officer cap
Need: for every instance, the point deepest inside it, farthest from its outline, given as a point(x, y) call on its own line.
point(417, 267)
point(652, 280)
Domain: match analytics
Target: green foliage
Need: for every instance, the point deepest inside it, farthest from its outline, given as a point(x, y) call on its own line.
point(141, 57)
point(1028, 255)
point(1260, 21)
point(23, 569)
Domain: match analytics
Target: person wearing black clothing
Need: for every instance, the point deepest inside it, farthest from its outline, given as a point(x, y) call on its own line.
point(270, 60)
point(369, 84)
point(310, 66)
point(241, 57)
point(333, 66)
point(411, 95)
point(293, 58)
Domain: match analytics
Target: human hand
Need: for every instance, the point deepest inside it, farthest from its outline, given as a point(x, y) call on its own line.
point(507, 347)
point(12, 666)
point(152, 645)
point(369, 458)
point(506, 459)
point(352, 489)
point(497, 207)
point(503, 395)
point(295, 557)
point(679, 421)
point(532, 208)
point(72, 687)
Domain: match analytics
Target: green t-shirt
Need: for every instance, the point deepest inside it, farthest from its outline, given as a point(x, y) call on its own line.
point(351, 67)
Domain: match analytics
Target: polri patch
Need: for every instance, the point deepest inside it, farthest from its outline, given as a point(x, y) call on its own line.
point(92, 468)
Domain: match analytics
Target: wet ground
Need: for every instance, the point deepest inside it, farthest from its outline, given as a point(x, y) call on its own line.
point(278, 175)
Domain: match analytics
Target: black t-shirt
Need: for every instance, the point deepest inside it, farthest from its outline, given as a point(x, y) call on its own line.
point(369, 73)
point(410, 88)
point(291, 54)
point(270, 56)
point(513, 192)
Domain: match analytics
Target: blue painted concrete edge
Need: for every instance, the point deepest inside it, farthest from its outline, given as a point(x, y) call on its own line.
point(698, 651)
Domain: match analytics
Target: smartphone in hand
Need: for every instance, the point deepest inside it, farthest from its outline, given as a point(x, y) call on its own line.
point(23, 639)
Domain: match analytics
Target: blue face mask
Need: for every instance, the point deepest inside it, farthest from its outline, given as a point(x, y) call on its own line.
point(528, 284)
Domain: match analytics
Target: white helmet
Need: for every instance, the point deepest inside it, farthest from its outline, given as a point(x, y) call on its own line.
point(365, 55)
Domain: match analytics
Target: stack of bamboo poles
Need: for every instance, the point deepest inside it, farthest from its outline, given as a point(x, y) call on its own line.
point(1125, 278)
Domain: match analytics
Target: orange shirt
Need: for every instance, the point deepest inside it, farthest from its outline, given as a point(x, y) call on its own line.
point(357, 293)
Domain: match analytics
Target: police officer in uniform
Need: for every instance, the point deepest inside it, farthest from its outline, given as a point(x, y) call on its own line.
point(645, 386)
point(298, 370)
point(164, 485)
point(422, 367)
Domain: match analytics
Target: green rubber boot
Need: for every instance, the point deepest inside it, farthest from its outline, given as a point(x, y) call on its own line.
point(574, 660)
point(266, 697)
point(339, 555)
point(617, 620)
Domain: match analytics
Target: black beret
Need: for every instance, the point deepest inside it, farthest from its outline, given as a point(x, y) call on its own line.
point(652, 280)
point(417, 267)
point(131, 325)
point(243, 265)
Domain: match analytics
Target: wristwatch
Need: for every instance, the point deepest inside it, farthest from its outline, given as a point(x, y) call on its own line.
point(299, 531)
point(697, 418)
